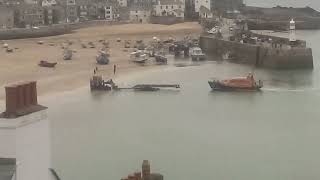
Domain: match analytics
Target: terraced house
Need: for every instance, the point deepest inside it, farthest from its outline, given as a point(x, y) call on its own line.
point(169, 8)
point(6, 17)
point(31, 15)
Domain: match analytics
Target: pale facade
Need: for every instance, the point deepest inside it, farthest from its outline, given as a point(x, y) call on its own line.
point(170, 8)
point(140, 16)
point(47, 3)
point(6, 18)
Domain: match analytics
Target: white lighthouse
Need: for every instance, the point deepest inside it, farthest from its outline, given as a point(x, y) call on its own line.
point(292, 35)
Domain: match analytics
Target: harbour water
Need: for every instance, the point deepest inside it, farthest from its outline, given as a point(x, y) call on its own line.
point(291, 3)
point(194, 133)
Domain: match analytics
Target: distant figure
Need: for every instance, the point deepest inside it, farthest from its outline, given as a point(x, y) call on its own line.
point(96, 68)
point(114, 69)
point(94, 71)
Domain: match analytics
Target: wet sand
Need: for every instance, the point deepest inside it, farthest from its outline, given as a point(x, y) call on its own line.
point(21, 65)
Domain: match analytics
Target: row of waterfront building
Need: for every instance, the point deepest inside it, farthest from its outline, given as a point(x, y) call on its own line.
point(24, 13)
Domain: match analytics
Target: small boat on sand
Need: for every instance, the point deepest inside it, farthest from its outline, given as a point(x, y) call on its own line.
point(161, 58)
point(103, 58)
point(247, 83)
point(43, 63)
point(138, 57)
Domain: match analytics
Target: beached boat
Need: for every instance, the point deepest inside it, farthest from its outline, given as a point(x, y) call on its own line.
point(103, 58)
point(161, 58)
point(197, 54)
point(47, 64)
point(67, 54)
point(247, 83)
point(138, 57)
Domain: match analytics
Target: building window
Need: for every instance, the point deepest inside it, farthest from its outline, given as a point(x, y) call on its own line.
point(160, 7)
point(171, 7)
point(107, 16)
point(166, 7)
point(108, 7)
point(179, 6)
point(108, 12)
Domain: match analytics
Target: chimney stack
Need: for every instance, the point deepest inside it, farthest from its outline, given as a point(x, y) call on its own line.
point(21, 99)
point(146, 169)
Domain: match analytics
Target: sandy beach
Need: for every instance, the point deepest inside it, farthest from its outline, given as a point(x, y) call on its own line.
point(21, 65)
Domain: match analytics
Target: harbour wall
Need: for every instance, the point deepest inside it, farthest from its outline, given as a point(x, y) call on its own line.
point(258, 55)
point(20, 33)
point(53, 30)
point(310, 24)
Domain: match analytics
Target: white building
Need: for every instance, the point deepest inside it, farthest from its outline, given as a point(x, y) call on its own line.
point(108, 13)
point(123, 3)
point(111, 13)
point(139, 14)
point(25, 138)
point(199, 3)
point(48, 3)
point(169, 8)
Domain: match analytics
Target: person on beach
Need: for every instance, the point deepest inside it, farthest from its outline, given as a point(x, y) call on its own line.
point(114, 69)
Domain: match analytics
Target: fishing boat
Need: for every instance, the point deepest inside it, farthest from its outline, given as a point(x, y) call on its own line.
point(43, 63)
point(138, 57)
point(67, 54)
point(161, 58)
point(97, 83)
point(197, 54)
point(247, 83)
point(103, 58)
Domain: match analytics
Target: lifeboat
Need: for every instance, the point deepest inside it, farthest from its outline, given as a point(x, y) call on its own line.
point(247, 83)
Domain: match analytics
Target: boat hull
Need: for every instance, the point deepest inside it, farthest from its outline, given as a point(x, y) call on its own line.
point(218, 86)
point(47, 64)
point(198, 57)
point(161, 59)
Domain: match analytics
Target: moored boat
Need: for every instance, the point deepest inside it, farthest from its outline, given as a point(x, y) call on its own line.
point(197, 54)
point(103, 58)
point(138, 57)
point(161, 58)
point(247, 83)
